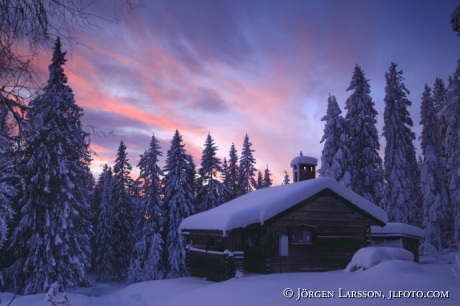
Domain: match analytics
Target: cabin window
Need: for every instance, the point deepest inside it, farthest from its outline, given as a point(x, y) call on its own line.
point(216, 243)
point(251, 238)
point(301, 234)
point(198, 241)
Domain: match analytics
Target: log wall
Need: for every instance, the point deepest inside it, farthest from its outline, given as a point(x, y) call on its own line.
point(340, 232)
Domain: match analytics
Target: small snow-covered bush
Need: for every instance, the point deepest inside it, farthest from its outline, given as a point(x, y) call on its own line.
point(366, 258)
point(239, 274)
point(428, 250)
point(51, 297)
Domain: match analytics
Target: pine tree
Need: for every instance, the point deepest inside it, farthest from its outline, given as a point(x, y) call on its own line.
point(124, 214)
point(223, 173)
point(52, 240)
point(336, 159)
point(96, 200)
point(286, 179)
point(432, 185)
point(178, 202)
point(147, 260)
point(104, 251)
point(402, 195)
point(450, 115)
point(439, 92)
point(246, 181)
point(233, 172)
point(212, 192)
point(192, 177)
point(267, 180)
point(367, 176)
point(9, 184)
point(260, 180)
point(7, 193)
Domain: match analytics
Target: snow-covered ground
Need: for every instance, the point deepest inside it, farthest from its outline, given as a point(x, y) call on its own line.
point(393, 275)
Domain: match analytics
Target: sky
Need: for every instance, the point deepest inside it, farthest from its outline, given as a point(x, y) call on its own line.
point(262, 68)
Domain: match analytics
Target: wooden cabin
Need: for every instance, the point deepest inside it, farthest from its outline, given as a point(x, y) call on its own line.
point(398, 235)
point(312, 225)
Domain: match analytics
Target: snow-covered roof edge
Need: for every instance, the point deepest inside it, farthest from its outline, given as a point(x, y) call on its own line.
point(263, 204)
point(397, 229)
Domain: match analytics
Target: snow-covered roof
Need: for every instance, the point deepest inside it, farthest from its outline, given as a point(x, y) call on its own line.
point(263, 204)
point(304, 160)
point(397, 229)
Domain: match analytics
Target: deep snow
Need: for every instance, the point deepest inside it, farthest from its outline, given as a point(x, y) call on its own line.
point(394, 275)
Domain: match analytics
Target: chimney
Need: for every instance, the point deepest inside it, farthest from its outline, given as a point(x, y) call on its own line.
point(303, 168)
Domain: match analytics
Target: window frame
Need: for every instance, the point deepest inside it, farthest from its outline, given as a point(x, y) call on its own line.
point(302, 227)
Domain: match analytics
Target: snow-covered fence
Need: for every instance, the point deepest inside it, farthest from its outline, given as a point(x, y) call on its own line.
point(214, 265)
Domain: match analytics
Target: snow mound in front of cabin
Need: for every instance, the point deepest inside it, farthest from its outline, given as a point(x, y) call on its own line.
point(368, 257)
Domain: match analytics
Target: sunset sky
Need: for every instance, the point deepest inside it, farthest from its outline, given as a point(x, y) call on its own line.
point(264, 68)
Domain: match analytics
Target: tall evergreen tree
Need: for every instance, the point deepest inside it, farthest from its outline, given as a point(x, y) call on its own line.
point(246, 181)
point(178, 202)
point(402, 195)
point(267, 180)
point(367, 176)
point(223, 174)
point(439, 92)
point(212, 192)
point(96, 200)
point(124, 214)
point(286, 179)
point(52, 240)
point(147, 260)
point(432, 185)
point(104, 251)
point(336, 158)
point(260, 180)
point(450, 115)
point(9, 185)
point(193, 181)
point(232, 175)
point(7, 193)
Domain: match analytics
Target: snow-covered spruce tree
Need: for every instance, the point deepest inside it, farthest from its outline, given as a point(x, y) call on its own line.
point(9, 186)
point(246, 181)
point(52, 240)
point(105, 253)
point(260, 180)
point(450, 114)
point(147, 261)
point(286, 179)
point(402, 199)
point(124, 214)
point(233, 171)
point(178, 201)
point(367, 176)
point(439, 92)
point(7, 192)
point(267, 180)
point(336, 158)
point(432, 185)
point(96, 200)
point(213, 192)
point(223, 173)
point(193, 180)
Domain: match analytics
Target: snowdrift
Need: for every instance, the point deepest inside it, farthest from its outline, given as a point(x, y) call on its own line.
point(368, 257)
